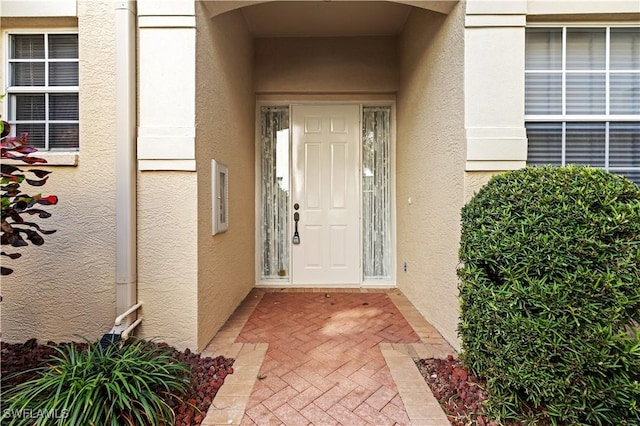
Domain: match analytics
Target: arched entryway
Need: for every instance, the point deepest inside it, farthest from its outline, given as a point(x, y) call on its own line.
point(406, 57)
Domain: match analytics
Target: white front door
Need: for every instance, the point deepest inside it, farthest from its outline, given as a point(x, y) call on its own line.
point(325, 177)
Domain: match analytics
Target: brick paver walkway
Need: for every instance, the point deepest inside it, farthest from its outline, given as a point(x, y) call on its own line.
point(323, 365)
point(324, 358)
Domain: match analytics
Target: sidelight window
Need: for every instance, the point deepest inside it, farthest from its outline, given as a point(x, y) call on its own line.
point(376, 193)
point(275, 192)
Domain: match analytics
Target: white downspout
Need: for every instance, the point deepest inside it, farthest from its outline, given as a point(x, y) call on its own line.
point(126, 163)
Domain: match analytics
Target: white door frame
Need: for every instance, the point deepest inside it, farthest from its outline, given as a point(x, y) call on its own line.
point(274, 100)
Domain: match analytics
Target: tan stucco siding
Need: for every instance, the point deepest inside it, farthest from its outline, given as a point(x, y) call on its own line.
point(474, 181)
point(326, 65)
point(430, 164)
point(167, 252)
point(225, 116)
point(66, 287)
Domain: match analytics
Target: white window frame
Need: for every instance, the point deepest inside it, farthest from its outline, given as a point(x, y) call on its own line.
point(56, 156)
point(565, 118)
point(219, 197)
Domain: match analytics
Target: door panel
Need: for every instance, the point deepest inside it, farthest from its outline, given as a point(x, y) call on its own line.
point(312, 175)
point(339, 175)
point(325, 177)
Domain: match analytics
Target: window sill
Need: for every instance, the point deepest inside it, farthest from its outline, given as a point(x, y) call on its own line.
point(53, 159)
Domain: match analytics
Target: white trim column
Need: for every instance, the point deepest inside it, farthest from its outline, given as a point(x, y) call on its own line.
point(494, 85)
point(167, 64)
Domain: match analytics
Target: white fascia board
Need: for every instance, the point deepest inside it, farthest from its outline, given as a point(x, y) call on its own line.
point(167, 22)
point(166, 148)
point(472, 21)
point(494, 21)
point(496, 7)
point(38, 8)
point(493, 149)
point(493, 166)
point(167, 131)
point(580, 7)
point(496, 144)
point(496, 132)
point(166, 8)
point(166, 143)
point(167, 165)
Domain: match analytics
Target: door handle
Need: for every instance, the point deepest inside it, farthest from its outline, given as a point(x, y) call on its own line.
point(296, 236)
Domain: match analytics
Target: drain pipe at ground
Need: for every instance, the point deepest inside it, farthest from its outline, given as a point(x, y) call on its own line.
point(126, 170)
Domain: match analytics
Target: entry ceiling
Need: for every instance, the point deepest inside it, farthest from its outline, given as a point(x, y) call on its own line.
point(325, 18)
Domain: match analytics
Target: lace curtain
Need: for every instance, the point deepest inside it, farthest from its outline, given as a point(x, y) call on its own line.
point(376, 193)
point(274, 137)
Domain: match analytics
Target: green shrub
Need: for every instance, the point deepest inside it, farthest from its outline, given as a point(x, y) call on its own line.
point(116, 386)
point(550, 295)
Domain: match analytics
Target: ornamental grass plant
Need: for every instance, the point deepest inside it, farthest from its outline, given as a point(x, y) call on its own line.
point(128, 385)
point(550, 295)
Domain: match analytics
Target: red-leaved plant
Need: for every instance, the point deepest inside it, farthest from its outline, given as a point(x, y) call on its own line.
point(16, 205)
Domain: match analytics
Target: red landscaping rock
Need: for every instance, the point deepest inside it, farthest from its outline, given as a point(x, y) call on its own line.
point(207, 375)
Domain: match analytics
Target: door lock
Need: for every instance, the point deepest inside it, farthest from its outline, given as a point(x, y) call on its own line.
point(296, 236)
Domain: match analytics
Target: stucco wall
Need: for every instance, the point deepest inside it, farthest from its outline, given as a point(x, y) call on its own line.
point(167, 253)
point(326, 64)
point(67, 286)
point(225, 131)
point(430, 164)
point(167, 219)
point(473, 181)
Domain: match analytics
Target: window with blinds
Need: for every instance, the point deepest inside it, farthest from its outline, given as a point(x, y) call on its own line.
point(43, 89)
point(582, 97)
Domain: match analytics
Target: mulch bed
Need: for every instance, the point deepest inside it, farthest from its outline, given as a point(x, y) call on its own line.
point(208, 375)
point(459, 393)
